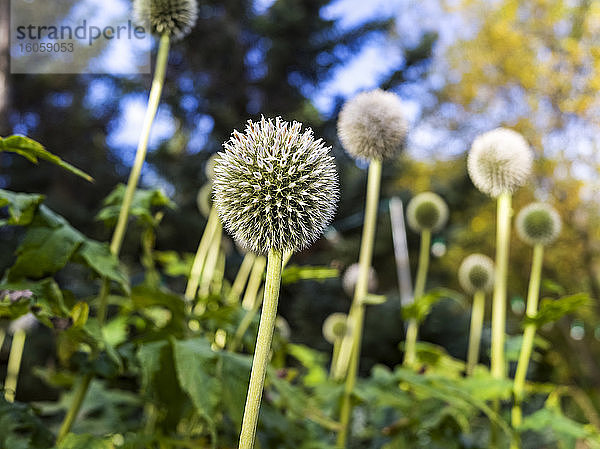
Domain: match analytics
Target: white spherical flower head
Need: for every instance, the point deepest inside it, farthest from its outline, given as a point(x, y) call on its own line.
point(499, 161)
point(173, 17)
point(538, 223)
point(351, 277)
point(23, 323)
point(275, 186)
point(427, 211)
point(335, 327)
point(476, 273)
point(372, 125)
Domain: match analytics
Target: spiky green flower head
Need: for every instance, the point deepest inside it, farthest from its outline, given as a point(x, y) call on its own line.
point(336, 326)
point(173, 17)
point(499, 161)
point(351, 277)
point(538, 224)
point(275, 186)
point(427, 212)
point(476, 273)
point(204, 199)
point(372, 125)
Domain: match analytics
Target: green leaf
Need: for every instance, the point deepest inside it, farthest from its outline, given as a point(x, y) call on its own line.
point(141, 206)
point(562, 427)
point(98, 257)
point(421, 307)
point(295, 273)
point(235, 375)
point(312, 360)
point(195, 363)
point(551, 310)
point(173, 264)
point(48, 245)
point(373, 300)
point(149, 356)
point(32, 150)
point(85, 441)
point(20, 427)
point(47, 301)
point(21, 207)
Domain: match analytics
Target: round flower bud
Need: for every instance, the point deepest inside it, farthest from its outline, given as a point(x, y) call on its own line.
point(427, 211)
point(173, 17)
point(24, 323)
point(275, 186)
point(499, 161)
point(476, 272)
point(204, 199)
point(351, 277)
point(209, 167)
point(335, 327)
point(372, 125)
point(538, 223)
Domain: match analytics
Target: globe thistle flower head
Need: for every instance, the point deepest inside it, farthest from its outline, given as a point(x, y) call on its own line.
point(204, 199)
point(173, 17)
point(372, 125)
point(476, 273)
point(538, 223)
point(499, 161)
point(24, 323)
point(351, 277)
point(275, 186)
point(335, 327)
point(427, 211)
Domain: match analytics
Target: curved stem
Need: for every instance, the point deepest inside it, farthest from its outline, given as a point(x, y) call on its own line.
point(412, 330)
point(254, 282)
point(477, 311)
point(197, 266)
point(528, 337)
point(119, 232)
point(14, 365)
point(262, 351)
point(244, 325)
point(210, 264)
point(357, 311)
point(335, 356)
point(241, 278)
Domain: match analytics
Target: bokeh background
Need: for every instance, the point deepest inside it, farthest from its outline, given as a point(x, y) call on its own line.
point(461, 68)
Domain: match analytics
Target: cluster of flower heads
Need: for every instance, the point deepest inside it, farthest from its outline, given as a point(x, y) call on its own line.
point(538, 224)
point(372, 125)
point(476, 273)
point(499, 161)
point(275, 186)
point(427, 211)
point(173, 17)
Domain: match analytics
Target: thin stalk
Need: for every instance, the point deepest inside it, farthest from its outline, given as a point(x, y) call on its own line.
point(528, 337)
point(357, 311)
point(119, 232)
point(199, 259)
point(498, 368)
point(335, 356)
point(14, 365)
point(254, 282)
point(2, 337)
point(262, 351)
point(217, 280)
point(211, 261)
point(245, 324)
point(412, 330)
point(241, 278)
point(475, 331)
point(498, 364)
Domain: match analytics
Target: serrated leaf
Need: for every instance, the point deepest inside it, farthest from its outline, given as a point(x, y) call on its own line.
point(32, 150)
point(561, 426)
point(235, 374)
point(98, 257)
point(20, 428)
point(141, 206)
point(21, 207)
point(552, 310)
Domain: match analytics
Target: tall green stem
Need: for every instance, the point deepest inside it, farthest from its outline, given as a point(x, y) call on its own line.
point(241, 278)
point(262, 351)
point(412, 330)
point(528, 337)
point(14, 365)
point(477, 311)
point(119, 232)
point(498, 367)
point(211, 261)
point(357, 311)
